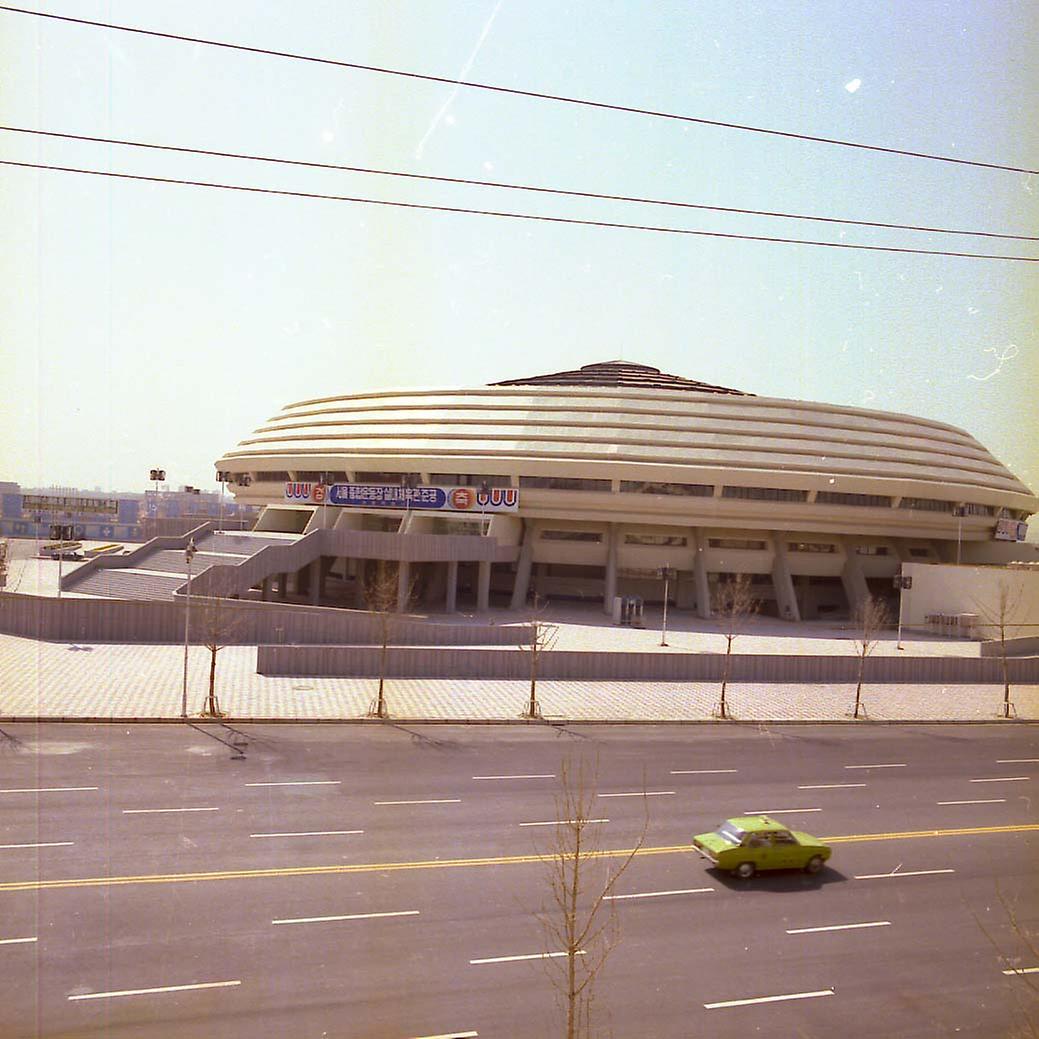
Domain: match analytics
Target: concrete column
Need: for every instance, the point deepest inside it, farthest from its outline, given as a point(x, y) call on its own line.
point(358, 569)
point(782, 582)
point(853, 578)
point(523, 567)
point(610, 584)
point(403, 585)
point(314, 581)
point(483, 585)
point(265, 589)
point(283, 586)
point(700, 582)
point(451, 596)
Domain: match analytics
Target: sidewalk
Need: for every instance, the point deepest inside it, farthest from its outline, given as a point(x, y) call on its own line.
point(65, 680)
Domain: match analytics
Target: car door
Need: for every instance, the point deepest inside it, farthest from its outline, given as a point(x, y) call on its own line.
point(786, 852)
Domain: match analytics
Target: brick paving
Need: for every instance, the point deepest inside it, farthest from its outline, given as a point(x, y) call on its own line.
point(69, 680)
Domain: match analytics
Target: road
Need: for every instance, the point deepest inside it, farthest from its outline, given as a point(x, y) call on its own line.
point(383, 882)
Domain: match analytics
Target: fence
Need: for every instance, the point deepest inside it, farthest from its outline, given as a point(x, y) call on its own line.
point(435, 662)
point(241, 623)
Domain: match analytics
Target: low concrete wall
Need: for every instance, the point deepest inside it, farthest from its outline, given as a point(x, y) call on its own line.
point(1023, 647)
point(429, 662)
point(254, 623)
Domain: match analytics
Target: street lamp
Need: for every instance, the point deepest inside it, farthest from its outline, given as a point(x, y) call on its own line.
point(666, 574)
point(223, 477)
point(326, 480)
point(156, 476)
point(189, 554)
point(903, 584)
point(959, 512)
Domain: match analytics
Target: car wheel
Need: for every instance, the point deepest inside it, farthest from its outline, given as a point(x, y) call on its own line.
point(814, 864)
point(745, 870)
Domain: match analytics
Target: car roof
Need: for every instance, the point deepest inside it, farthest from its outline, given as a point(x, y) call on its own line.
point(756, 823)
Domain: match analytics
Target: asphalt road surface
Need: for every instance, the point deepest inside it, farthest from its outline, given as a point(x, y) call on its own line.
point(383, 882)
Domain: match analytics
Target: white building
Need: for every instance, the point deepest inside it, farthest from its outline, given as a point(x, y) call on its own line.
point(615, 471)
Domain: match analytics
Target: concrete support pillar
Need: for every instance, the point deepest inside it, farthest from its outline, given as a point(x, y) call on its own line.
point(782, 582)
point(265, 589)
point(314, 582)
point(403, 585)
point(451, 593)
point(357, 566)
point(483, 585)
point(701, 584)
point(610, 584)
point(523, 567)
point(283, 586)
point(854, 579)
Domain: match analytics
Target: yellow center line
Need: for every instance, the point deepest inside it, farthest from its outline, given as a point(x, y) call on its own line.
point(498, 860)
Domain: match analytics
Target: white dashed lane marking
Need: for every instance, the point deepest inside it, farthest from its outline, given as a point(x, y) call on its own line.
point(903, 873)
point(540, 776)
point(983, 801)
point(46, 789)
point(659, 894)
point(44, 844)
point(530, 956)
point(16, 941)
point(900, 764)
point(839, 927)
point(1003, 779)
point(150, 991)
point(164, 811)
point(768, 999)
point(702, 771)
point(309, 833)
point(829, 786)
point(301, 782)
point(349, 916)
point(566, 822)
point(641, 793)
point(441, 801)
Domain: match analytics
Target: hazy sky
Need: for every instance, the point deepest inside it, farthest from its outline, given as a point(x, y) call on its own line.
point(148, 325)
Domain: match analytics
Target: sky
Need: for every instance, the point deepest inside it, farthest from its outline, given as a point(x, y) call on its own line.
point(145, 325)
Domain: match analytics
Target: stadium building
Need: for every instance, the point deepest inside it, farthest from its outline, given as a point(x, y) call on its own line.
point(591, 484)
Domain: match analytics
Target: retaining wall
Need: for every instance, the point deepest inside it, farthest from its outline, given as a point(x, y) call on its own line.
point(436, 662)
point(242, 623)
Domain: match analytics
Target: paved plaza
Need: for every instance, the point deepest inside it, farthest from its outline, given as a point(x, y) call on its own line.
point(105, 681)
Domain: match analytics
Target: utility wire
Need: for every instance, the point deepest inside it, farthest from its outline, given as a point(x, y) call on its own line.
point(512, 216)
point(515, 91)
point(516, 187)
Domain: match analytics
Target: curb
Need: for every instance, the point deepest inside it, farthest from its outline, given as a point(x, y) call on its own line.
point(553, 724)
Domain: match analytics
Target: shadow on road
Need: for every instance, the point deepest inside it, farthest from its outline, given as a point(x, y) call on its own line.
point(780, 881)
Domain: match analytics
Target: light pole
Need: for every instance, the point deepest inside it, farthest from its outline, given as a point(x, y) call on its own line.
point(223, 478)
point(326, 480)
point(903, 584)
point(959, 512)
point(189, 554)
point(665, 573)
point(156, 476)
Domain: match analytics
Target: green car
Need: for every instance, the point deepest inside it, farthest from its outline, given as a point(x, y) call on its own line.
point(752, 842)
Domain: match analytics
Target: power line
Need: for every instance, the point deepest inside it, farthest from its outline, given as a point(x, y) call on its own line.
point(516, 187)
point(517, 92)
point(512, 216)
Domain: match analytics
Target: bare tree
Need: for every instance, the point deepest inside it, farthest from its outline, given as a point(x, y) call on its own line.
point(1001, 615)
point(1021, 981)
point(382, 593)
point(218, 624)
point(542, 637)
point(734, 603)
point(578, 919)
point(871, 617)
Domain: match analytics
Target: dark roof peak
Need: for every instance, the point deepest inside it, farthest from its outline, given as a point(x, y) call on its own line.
point(621, 373)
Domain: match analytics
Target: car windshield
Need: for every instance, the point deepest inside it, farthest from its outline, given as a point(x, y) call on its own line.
point(733, 834)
